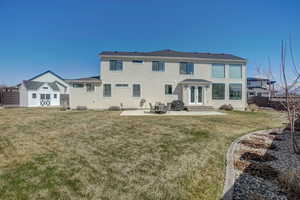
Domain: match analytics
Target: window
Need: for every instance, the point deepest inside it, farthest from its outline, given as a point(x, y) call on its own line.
point(90, 87)
point(218, 71)
point(42, 96)
point(158, 66)
point(55, 96)
point(46, 88)
point(186, 68)
point(115, 65)
point(121, 85)
point(107, 90)
point(218, 91)
point(235, 91)
point(34, 95)
point(235, 71)
point(137, 61)
point(136, 90)
point(78, 85)
point(47, 96)
point(168, 89)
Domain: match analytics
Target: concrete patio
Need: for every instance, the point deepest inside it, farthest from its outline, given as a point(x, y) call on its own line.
point(169, 113)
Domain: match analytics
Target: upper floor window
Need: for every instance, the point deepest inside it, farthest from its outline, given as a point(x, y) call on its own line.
point(136, 90)
point(235, 71)
point(137, 61)
point(107, 90)
point(46, 88)
point(186, 68)
point(218, 91)
point(55, 96)
point(78, 85)
point(121, 85)
point(168, 89)
point(115, 65)
point(158, 66)
point(235, 91)
point(90, 87)
point(218, 71)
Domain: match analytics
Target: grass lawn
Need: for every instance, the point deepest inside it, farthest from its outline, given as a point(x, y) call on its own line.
point(51, 154)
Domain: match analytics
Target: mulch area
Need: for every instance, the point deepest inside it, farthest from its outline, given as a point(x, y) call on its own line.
point(265, 168)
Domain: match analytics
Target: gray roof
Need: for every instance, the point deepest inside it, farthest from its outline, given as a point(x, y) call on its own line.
point(35, 85)
point(172, 53)
point(195, 81)
point(93, 79)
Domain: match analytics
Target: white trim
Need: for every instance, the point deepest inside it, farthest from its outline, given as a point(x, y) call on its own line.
point(196, 95)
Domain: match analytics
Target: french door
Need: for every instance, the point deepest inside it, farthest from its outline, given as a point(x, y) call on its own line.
point(196, 95)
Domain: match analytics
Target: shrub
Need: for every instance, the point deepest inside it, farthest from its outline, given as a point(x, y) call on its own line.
point(253, 107)
point(290, 183)
point(177, 105)
point(81, 108)
point(114, 108)
point(256, 157)
point(226, 107)
point(258, 145)
point(262, 170)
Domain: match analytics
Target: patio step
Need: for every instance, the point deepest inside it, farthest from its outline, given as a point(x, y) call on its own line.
point(199, 108)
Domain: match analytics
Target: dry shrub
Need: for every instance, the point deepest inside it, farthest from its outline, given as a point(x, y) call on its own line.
point(255, 196)
point(261, 170)
point(258, 145)
point(290, 183)
point(250, 156)
point(273, 133)
point(241, 165)
point(256, 139)
point(253, 107)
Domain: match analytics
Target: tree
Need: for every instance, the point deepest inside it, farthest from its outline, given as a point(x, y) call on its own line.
point(289, 81)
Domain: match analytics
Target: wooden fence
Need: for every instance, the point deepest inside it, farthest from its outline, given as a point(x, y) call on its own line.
point(9, 96)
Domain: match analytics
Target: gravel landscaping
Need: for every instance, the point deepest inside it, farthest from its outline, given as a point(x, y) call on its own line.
point(262, 166)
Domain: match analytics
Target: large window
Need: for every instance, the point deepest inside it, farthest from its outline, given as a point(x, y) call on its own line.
point(90, 87)
point(168, 89)
point(34, 95)
point(107, 90)
point(235, 91)
point(115, 65)
point(186, 68)
point(55, 96)
point(158, 66)
point(218, 91)
point(218, 71)
point(235, 71)
point(136, 90)
point(78, 85)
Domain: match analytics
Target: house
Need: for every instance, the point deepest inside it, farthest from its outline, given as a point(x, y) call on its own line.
point(261, 87)
point(46, 89)
point(130, 78)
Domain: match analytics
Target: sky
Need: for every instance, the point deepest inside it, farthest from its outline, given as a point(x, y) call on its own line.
point(66, 36)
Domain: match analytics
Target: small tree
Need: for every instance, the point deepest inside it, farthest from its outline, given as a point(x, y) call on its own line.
point(291, 103)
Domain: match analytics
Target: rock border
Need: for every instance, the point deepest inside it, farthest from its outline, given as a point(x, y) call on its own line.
point(230, 171)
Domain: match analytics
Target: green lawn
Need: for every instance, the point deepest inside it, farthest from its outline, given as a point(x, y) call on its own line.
point(52, 154)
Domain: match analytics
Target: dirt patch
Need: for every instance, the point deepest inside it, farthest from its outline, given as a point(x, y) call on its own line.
point(261, 170)
point(250, 156)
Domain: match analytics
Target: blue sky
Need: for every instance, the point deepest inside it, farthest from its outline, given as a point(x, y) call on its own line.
point(65, 36)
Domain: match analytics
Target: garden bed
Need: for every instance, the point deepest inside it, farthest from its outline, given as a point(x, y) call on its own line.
point(264, 168)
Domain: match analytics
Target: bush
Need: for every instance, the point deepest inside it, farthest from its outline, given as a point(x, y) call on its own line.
point(258, 158)
point(253, 107)
point(262, 170)
point(114, 108)
point(81, 108)
point(177, 105)
point(290, 183)
point(227, 107)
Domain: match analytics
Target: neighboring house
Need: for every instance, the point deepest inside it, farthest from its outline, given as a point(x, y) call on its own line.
point(261, 87)
point(44, 89)
point(198, 79)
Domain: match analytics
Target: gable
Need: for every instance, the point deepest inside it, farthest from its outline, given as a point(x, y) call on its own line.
point(50, 77)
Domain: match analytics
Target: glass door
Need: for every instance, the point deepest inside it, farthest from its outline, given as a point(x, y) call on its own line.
point(196, 95)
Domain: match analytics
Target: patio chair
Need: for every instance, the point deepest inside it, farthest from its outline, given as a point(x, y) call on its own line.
point(152, 109)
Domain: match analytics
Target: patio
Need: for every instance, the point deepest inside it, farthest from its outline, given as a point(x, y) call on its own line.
point(169, 113)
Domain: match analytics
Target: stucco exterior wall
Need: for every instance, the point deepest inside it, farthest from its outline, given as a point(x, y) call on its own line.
point(153, 83)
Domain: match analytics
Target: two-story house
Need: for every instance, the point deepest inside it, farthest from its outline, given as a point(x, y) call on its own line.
point(261, 87)
point(198, 79)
